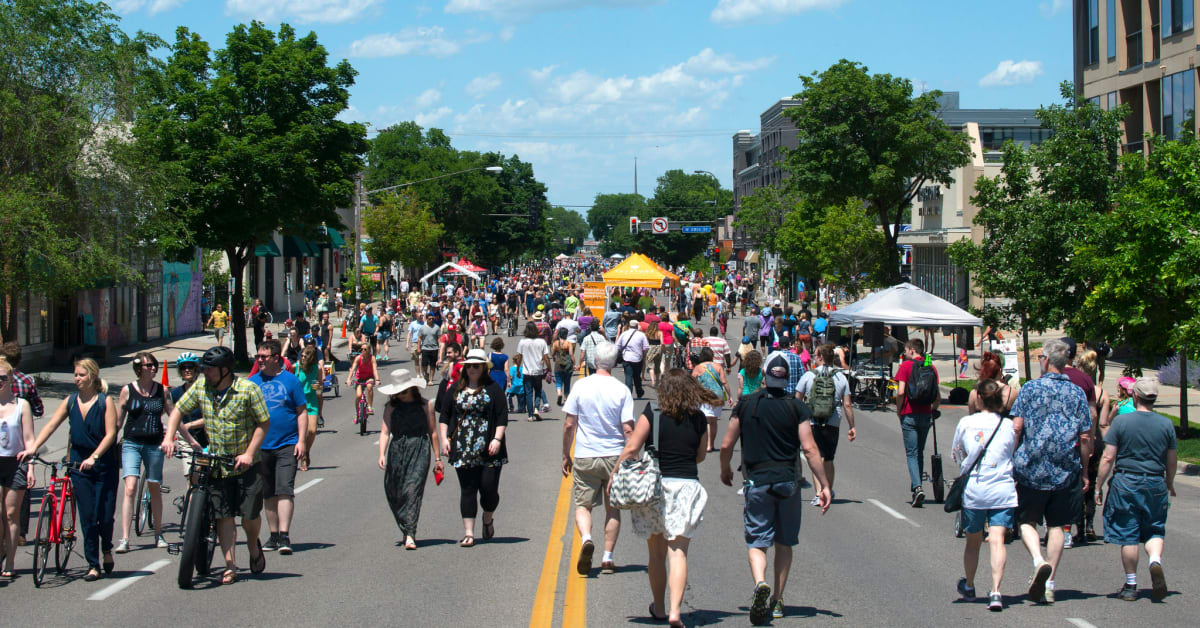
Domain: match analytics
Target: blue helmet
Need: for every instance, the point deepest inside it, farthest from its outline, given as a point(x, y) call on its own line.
point(185, 358)
point(766, 311)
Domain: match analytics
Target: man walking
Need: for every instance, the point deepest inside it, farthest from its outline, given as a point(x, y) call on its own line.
point(599, 418)
point(282, 447)
point(1053, 415)
point(795, 364)
point(633, 346)
point(773, 428)
point(427, 338)
point(915, 403)
point(827, 393)
point(1139, 449)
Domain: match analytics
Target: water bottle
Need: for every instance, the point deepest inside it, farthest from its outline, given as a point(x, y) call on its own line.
point(4, 435)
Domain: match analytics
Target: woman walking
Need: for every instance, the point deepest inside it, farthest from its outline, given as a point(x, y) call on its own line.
point(712, 378)
point(535, 359)
point(383, 335)
point(563, 359)
point(679, 446)
point(92, 418)
point(990, 369)
point(406, 440)
point(990, 498)
point(16, 429)
point(751, 372)
point(472, 431)
point(654, 355)
point(309, 371)
point(140, 409)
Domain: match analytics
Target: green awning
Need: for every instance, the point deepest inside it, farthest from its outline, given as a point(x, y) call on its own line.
point(295, 246)
point(336, 241)
point(267, 250)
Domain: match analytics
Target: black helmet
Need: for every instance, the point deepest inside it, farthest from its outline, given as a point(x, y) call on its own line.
point(217, 357)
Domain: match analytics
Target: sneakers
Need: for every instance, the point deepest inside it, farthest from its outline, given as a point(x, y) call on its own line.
point(1128, 593)
point(272, 543)
point(160, 542)
point(1159, 581)
point(320, 421)
point(760, 612)
point(608, 567)
point(1037, 584)
point(122, 547)
point(816, 501)
point(777, 610)
point(1048, 596)
point(918, 497)
point(967, 593)
point(285, 544)
point(1068, 539)
point(545, 408)
point(995, 602)
point(584, 565)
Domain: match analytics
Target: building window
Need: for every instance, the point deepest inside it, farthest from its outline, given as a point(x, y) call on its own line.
point(1112, 101)
point(1177, 16)
point(1110, 22)
point(1178, 104)
point(1093, 32)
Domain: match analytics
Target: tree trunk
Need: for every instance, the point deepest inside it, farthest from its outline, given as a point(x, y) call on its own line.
point(1183, 392)
point(1025, 344)
point(8, 317)
point(237, 306)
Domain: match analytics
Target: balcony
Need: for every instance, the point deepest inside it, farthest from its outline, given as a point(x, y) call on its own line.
point(1133, 50)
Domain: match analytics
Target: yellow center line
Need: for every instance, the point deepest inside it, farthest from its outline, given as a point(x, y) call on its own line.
point(543, 603)
point(575, 600)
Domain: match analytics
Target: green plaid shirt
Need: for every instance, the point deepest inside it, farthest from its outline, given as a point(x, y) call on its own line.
point(229, 422)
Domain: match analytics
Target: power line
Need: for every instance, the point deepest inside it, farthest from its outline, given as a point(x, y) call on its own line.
point(678, 134)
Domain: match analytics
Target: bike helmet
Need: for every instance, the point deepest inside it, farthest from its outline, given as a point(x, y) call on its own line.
point(186, 358)
point(766, 311)
point(217, 357)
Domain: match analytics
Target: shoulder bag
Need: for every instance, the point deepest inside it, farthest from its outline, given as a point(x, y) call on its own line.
point(954, 497)
point(638, 482)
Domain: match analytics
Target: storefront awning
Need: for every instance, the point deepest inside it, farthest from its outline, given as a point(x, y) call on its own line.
point(336, 241)
point(267, 249)
point(294, 246)
point(752, 257)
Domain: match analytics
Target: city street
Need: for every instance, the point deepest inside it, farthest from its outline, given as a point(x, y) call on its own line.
point(871, 561)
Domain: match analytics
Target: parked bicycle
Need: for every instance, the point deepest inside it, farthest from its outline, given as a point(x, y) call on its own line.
point(199, 523)
point(56, 521)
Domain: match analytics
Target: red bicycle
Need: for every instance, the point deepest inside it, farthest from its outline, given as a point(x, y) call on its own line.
point(56, 521)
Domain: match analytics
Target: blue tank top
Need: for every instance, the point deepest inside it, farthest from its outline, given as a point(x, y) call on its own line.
point(87, 432)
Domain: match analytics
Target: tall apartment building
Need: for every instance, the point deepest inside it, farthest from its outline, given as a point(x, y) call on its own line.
point(1141, 53)
point(756, 163)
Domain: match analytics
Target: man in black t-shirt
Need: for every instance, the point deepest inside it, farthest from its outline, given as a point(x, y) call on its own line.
point(773, 428)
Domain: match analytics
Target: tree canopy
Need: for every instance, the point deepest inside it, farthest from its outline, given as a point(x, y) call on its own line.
point(402, 229)
point(678, 196)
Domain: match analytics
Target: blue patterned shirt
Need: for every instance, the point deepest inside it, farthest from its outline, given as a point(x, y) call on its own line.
point(1055, 412)
point(795, 368)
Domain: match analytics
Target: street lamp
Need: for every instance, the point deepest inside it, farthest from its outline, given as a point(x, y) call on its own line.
point(359, 193)
point(716, 208)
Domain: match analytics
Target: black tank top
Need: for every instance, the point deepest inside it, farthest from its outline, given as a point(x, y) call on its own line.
point(408, 419)
point(143, 419)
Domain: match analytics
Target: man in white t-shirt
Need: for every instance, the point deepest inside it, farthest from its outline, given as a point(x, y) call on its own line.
point(825, 432)
point(599, 418)
point(569, 323)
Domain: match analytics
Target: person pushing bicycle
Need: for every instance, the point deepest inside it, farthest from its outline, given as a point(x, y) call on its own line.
point(236, 420)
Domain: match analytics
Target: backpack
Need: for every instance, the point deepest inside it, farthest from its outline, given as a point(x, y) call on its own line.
point(556, 315)
point(562, 360)
point(822, 397)
point(922, 385)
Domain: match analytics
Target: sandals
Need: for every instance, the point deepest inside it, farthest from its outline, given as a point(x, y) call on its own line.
point(7, 573)
point(658, 618)
point(489, 530)
point(109, 564)
point(258, 565)
point(467, 541)
point(410, 544)
point(229, 576)
point(92, 575)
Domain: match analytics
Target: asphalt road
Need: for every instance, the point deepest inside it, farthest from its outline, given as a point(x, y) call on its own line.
point(871, 560)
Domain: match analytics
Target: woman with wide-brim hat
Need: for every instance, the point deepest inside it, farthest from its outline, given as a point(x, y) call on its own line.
point(407, 439)
point(472, 430)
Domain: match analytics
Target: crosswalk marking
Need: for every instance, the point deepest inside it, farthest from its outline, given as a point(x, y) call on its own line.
point(123, 583)
point(307, 485)
point(893, 513)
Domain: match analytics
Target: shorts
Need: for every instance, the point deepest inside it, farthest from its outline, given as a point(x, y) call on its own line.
point(384, 336)
point(826, 437)
point(1059, 507)
point(238, 496)
point(676, 515)
point(279, 472)
point(13, 474)
point(591, 479)
point(1136, 509)
point(973, 520)
point(772, 514)
point(429, 357)
point(135, 454)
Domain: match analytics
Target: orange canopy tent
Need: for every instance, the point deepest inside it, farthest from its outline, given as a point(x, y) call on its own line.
point(639, 271)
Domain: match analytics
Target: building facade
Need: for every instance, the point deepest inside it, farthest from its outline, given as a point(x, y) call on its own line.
point(1140, 53)
point(757, 163)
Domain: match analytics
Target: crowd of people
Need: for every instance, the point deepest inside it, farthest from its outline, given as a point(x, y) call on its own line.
point(1033, 455)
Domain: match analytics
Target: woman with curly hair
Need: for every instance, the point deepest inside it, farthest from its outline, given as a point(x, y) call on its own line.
point(678, 438)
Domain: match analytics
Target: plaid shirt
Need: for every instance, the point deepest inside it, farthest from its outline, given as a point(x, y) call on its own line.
point(795, 368)
point(229, 421)
point(25, 388)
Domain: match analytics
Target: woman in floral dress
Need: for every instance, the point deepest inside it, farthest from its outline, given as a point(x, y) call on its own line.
point(472, 429)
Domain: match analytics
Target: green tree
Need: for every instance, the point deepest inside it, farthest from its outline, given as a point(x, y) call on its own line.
point(762, 214)
point(254, 129)
point(402, 229)
point(80, 200)
point(610, 213)
point(678, 197)
point(567, 230)
point(867, 136)
point(851, 247)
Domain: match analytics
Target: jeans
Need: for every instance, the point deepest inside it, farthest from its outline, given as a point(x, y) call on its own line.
point(535, 397)
point(915, 428)
point(562, 380)
point(633, 377)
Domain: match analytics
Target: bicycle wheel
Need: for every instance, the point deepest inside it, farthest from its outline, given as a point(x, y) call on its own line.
point(41, 543)
point(183, 512)
point(958, 526)
point(193, 536)
point(362, 413)
point(62, 550)
point(206, 549)
point(141, 506)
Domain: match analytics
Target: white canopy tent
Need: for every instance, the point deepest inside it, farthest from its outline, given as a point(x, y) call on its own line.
point(562, 256)
point(456, 267)
point(904, 304)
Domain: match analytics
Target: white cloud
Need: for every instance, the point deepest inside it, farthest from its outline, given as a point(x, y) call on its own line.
point(334, 11)
point(152, 7)
point(1010, 72)
point(481, 85)
point(742, 10)
point(1054, 7)
point(419, 40)
point(709, 62)
point(428, 98)
point(542, 74)
point(523, 8)
point(430, 118)
point(507, 33)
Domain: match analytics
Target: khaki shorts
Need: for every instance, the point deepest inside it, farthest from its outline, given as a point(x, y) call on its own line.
point(591, 480)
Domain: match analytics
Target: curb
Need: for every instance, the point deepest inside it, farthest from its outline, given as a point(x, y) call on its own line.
point(1187, 468)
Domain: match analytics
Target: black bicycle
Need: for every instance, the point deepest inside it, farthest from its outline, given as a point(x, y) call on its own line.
point(199, 522)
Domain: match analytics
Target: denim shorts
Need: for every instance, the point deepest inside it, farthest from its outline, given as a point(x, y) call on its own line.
point(1135, 509)
point(772, 514)
point(134, 455)
point(973, 520)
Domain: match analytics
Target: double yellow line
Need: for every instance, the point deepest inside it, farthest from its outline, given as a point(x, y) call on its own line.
point(574, 611)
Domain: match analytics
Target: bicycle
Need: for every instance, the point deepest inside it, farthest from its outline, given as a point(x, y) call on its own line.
point(250, 318)
point(199, 522)
point(512, 325)
point(361, 409)
point(59, 497)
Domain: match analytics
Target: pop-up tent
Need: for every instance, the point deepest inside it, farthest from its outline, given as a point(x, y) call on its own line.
point(904, 304)
point(466, 264)
point(454, 268)
point(638, 271)
point(562, 256)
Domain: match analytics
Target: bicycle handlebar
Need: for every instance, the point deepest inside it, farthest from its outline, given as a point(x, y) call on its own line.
point(62, 464)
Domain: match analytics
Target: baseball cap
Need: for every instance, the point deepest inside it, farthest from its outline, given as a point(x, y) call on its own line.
point(1146, 388)
point(775, 374)
point(1126, 383)
point(1070, 342)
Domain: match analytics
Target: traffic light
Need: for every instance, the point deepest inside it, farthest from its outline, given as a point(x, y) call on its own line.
point(535, 212)
point(716, 252)
point(633, 224)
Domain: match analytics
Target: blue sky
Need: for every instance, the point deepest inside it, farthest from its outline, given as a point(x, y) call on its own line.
point(579, 88)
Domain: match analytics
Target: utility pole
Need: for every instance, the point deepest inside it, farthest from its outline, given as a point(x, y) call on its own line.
point(358, 186)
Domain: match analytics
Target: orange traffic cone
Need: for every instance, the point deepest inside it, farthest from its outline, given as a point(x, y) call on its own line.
point(166, 381)
point(343, 329)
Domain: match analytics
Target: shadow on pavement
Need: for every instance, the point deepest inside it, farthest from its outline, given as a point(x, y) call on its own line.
point(502, 540)
point(305, 547)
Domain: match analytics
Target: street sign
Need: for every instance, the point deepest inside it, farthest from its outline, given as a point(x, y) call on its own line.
point(732, 264)
point(696, 229)
point(659, 225)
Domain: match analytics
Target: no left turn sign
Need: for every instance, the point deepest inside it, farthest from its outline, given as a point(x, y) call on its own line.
point(659, 225)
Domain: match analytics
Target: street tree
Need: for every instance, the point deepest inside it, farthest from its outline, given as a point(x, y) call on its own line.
point(610, 213)
point(567, 230)
point(678, 196)
point(868, 136)
point(850, 247)
point(81, 202)
point(254, 128)
point(762, 213)
point(403, 230)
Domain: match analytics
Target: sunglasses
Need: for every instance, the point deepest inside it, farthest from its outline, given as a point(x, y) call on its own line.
point(265, 357)
point(152, 367)
point(4, 378)
point(474, 365)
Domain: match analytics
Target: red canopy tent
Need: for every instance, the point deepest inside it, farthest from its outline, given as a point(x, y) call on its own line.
point(467, 264)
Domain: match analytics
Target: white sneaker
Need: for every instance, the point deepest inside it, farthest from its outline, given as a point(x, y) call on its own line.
point(1067, 541)
point(122, 546)
point(816, 500)
point(160, 542)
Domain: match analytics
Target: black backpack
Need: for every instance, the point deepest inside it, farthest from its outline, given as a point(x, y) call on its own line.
point(922, 386)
